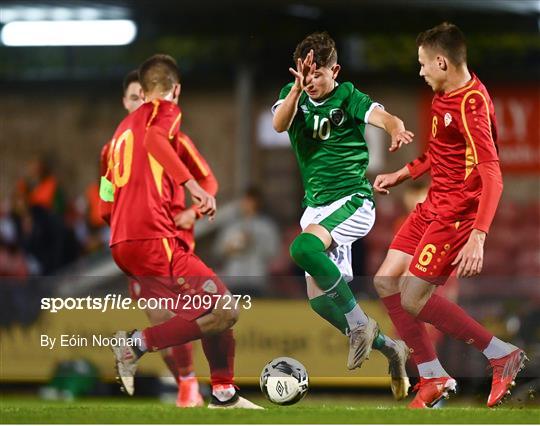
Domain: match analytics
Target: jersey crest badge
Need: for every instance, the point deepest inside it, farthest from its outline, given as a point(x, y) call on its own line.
point(304, 109)
point(337, 116)
point(447, 119)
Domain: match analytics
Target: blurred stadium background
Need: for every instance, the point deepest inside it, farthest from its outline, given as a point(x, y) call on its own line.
point(60, 104)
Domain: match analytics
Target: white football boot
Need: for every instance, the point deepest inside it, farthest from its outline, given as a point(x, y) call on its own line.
point(235, 402)
point(360, 341)
point(396, 367)
point(126, 358)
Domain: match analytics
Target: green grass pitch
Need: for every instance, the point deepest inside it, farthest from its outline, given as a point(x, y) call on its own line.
point(311, 410)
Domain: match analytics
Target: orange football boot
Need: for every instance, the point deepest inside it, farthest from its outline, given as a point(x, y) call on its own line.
point(188, 393)
point(431, 391)
point(505, 370)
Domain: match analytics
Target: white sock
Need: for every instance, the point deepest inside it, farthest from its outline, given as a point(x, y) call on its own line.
point(138, 339)
point(223, 393)
point(356, 317)
point(189, 376)
point(497, 349)
point(432, 369)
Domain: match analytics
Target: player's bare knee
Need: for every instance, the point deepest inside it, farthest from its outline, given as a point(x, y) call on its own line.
point(211, 323)
point(223, 318)
point(410, 305)
point(385, 286)
point(226, 311)
point(232, 316)
point(380, 284)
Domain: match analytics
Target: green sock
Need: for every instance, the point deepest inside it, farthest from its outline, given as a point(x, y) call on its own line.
point(379, 342)
point(327, 309)
point(309, 253)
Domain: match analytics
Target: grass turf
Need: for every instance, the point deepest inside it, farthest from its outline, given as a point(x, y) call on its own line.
point(121, 410)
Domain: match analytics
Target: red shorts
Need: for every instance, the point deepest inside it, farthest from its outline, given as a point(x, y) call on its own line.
point(164, 270)
point(433, 243)
point(187, 237)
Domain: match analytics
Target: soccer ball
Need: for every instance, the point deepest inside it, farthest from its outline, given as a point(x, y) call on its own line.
point(284, 381)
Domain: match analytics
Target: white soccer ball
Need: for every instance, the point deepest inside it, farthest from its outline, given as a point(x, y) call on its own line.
point(284, 381)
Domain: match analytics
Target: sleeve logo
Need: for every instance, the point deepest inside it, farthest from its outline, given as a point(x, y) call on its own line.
point(210, 286)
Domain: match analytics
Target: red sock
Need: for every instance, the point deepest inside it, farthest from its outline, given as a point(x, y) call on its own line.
point(454, 321)
point(183, 358)
point(410, 329)
point(171, 364)
point(219, 351)
point(173, 332)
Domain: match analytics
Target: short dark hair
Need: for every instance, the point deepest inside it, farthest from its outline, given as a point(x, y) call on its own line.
point(254, 193)
point(159, 71)
point(446, 38)
point(131, 77)
point(324, 49)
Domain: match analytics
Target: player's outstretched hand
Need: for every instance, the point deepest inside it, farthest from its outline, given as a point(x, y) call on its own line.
point(382, 182)
point(470, 259)
point(303, 74)
point(201, 198)
point(388, 180)
point(185, 219)
point(400, 138)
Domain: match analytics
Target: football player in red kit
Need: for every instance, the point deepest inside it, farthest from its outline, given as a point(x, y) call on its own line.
point(145, 242)
point(179, 359)
point(448, 230)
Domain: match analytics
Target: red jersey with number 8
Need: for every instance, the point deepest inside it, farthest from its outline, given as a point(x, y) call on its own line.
point(143, 192)
point(463, 135)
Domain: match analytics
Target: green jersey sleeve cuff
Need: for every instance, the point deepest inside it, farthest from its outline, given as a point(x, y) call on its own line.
point(370, 110)
point(278, 103)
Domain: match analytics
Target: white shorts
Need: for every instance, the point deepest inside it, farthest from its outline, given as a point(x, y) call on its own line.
point(347, 220)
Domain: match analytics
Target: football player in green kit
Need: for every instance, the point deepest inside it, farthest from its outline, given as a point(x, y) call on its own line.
point(326, 122)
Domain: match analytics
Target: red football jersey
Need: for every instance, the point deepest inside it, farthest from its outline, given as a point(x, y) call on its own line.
point(463, 134)
point(143, 192)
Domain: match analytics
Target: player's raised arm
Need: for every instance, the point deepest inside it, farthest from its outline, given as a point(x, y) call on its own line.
point(157, 144)
point(393, 126)
point(196, 164)
point(201, 171)
point(285, 111)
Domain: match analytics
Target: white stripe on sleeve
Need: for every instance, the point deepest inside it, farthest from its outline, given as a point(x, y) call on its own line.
point(370, 110)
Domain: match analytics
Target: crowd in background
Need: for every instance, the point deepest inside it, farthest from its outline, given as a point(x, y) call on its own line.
point(41, 228)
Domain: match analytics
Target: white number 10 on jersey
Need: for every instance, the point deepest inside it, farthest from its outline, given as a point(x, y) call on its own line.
point(321, 128)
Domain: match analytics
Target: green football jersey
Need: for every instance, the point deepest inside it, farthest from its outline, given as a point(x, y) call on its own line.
point(329, 144)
